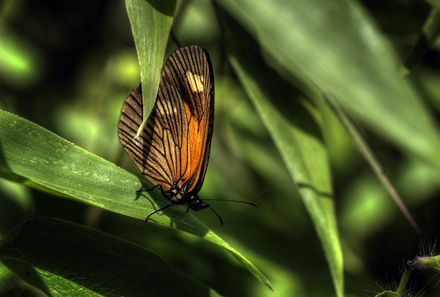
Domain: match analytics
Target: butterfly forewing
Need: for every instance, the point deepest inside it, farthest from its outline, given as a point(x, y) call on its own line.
point(174, 146)
point(190, 69)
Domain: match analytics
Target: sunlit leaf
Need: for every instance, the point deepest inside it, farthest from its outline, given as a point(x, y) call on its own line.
point(294, 132)
point(33, 156)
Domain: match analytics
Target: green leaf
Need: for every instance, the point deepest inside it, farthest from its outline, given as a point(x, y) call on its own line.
point(387, 294)
point(65, 259)
point(435, 3)
point(425, 40)
point(292, 126)
point(337, 46)
point(36, 157)
point(19, 60)
point(151, 23)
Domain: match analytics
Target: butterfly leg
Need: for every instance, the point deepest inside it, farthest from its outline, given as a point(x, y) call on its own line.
point(148, 189)
point(157, 211)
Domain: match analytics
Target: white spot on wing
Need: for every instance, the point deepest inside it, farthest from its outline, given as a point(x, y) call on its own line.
point(195, 82)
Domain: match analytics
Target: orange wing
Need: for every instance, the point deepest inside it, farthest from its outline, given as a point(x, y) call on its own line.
point(174, 147)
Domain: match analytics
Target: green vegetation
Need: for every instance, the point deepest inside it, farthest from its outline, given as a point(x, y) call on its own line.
point(304, 91)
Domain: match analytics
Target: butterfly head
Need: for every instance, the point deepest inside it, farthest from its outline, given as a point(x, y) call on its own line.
point(195, 203)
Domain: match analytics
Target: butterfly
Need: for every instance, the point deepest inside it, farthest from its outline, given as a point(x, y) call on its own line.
point(172, 151)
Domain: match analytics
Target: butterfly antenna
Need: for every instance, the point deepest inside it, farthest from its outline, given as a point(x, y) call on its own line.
point(245, 202)
point(221, 222)
point(157, 211)
point(207, 205)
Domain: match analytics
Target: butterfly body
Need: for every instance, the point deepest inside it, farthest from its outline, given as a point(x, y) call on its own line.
point(178, 196)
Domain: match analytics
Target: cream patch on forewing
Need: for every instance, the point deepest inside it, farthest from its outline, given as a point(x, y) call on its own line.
point(195, 82)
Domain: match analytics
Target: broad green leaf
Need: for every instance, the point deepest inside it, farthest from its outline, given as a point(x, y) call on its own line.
point(38, 158)
point(151, 23)
point(66, 259)
point(337, 46)
point(295, 133)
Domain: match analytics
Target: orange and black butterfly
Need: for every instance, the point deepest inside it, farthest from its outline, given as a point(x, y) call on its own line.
point(173, 149)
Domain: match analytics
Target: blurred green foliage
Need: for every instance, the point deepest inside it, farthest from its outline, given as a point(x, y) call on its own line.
point(68, 66)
